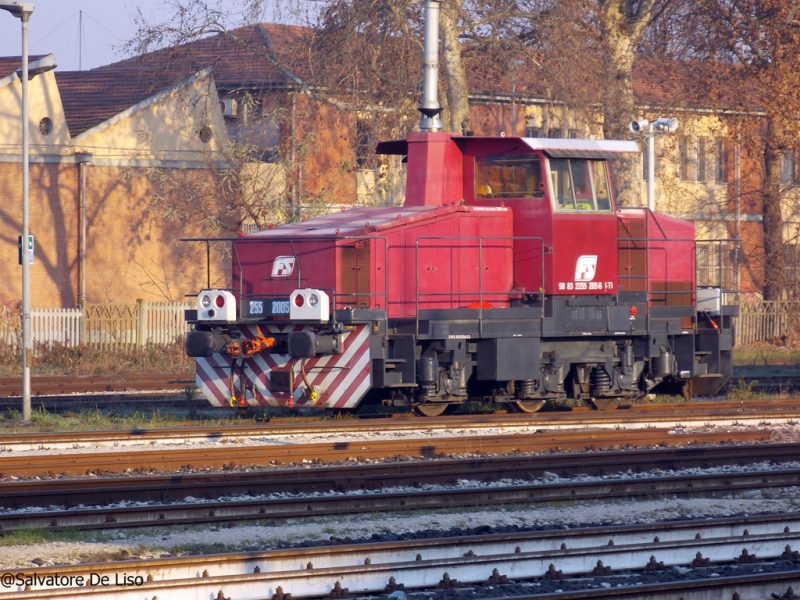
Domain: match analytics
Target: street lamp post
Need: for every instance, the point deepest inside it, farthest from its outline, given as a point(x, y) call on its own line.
point(650, 130)
point(23, 11)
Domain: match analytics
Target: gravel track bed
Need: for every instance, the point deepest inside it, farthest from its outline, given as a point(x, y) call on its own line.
point(383, 527)
point(788, 429)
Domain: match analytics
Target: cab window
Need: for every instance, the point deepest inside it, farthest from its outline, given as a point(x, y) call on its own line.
point(504, 176)
point(579, 184)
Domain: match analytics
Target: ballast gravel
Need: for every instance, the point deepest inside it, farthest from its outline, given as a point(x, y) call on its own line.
point(281, 533)
point(781, 430)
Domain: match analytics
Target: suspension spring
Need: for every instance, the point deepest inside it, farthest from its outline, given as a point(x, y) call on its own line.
point(600, 380)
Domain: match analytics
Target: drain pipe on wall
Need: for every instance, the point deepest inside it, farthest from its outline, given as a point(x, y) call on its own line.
point(82, 159)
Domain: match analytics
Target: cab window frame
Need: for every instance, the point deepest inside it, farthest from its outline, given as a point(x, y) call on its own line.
point(592, 168)
point(493, 189)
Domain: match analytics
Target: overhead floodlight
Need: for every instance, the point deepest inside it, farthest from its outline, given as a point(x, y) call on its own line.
point(37, 67)
point(21, 10)
point(651, 130)
point(666, 124)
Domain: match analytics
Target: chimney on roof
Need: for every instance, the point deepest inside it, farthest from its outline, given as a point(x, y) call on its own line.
point(430, 108)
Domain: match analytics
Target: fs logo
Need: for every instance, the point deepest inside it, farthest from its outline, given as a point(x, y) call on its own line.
point(283, 266)
point(586, 267)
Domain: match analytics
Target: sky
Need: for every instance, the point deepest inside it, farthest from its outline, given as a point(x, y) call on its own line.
point(55, 26)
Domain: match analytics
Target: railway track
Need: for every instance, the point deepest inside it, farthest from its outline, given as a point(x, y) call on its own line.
point(322, 491)
point(57, 389)
point(230, 457)
point(62, 385)
point(596, 555)
point(646, 416)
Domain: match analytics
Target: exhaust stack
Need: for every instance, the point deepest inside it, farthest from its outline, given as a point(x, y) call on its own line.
point(430, 108)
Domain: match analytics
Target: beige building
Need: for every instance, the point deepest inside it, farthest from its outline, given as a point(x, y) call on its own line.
point(134, 144)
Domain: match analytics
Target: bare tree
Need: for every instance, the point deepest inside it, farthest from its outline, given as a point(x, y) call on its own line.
point(749, 58)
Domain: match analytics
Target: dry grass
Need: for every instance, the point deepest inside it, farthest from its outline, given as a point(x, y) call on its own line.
point(60, 359)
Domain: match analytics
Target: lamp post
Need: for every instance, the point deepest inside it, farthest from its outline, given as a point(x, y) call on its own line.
point(23, 11)
point(650, 130)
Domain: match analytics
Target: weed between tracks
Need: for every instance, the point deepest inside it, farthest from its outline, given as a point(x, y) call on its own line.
point(60, 359)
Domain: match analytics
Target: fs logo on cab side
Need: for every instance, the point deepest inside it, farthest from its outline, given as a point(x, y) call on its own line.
point(586, 267)
point(283, 266)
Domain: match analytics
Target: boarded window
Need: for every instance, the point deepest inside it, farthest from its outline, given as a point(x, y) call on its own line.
point(365, 153)
point(684, 158)
point(702, 158)
point(788, 169)
point(719, 162)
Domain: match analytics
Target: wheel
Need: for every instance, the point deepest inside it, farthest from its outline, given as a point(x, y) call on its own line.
point(430, 410)
point(602, 403)
point(530, 406)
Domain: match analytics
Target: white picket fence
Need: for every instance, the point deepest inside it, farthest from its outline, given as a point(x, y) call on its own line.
point(765, 321)
point(106, 326)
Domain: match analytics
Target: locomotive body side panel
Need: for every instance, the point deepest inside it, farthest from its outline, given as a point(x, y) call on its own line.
point(584, 256)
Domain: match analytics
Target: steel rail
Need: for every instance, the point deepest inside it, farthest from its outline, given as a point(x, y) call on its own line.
point(427, 573)
point(411, 499)
point(375, 553)
point(765, 586)
point(77, 463)
point(720, 413)
point(176, 487)
point(58, 385)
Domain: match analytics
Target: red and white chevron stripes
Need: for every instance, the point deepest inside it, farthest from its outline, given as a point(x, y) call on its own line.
point(339, 380)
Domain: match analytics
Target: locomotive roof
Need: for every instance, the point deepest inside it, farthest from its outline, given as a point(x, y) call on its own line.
point(557, 148)
point(356, 221)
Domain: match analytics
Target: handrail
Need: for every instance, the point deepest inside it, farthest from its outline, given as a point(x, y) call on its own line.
point(480, 290)
point(254, 240)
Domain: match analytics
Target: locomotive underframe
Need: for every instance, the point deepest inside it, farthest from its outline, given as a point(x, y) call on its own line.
point(598, 349)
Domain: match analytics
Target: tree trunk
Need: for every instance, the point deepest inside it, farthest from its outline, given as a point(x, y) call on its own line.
point(456, 76)
point(774, 273)
point(618, 111)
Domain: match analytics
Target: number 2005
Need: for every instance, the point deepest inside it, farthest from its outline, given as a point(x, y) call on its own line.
point(279, 307)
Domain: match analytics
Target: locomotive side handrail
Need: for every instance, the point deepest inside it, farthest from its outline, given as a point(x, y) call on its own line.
point(480, 292)
point(251, 240)
point(695, 242)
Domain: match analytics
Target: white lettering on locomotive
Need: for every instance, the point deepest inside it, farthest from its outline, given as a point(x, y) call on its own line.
point(585, 268)
point(283, 266)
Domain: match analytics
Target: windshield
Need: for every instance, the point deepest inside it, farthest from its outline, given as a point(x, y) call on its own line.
point(579, 184)
point(508, 176)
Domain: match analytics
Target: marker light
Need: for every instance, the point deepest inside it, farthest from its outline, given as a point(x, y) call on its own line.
point(634, 310)
point(298, 300)
point(220, 301)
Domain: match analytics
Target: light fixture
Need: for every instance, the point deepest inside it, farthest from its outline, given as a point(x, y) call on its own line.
point(38, 67)
point(659, 126)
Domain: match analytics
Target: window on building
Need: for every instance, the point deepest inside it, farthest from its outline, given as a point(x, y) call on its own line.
point(573, 134)
point(533, 132)
point(719, 162)
point(684, 166)
point(702, 158)
point(365, 153)
point(788, 168)
point(555, 134)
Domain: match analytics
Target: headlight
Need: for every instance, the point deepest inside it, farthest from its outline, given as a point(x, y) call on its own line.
point(205, 301)
point(313, 300)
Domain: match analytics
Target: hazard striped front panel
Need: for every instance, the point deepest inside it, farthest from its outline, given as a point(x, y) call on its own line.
point(327, 381)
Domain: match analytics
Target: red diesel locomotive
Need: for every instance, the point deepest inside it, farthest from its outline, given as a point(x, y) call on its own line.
point(508, 275)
